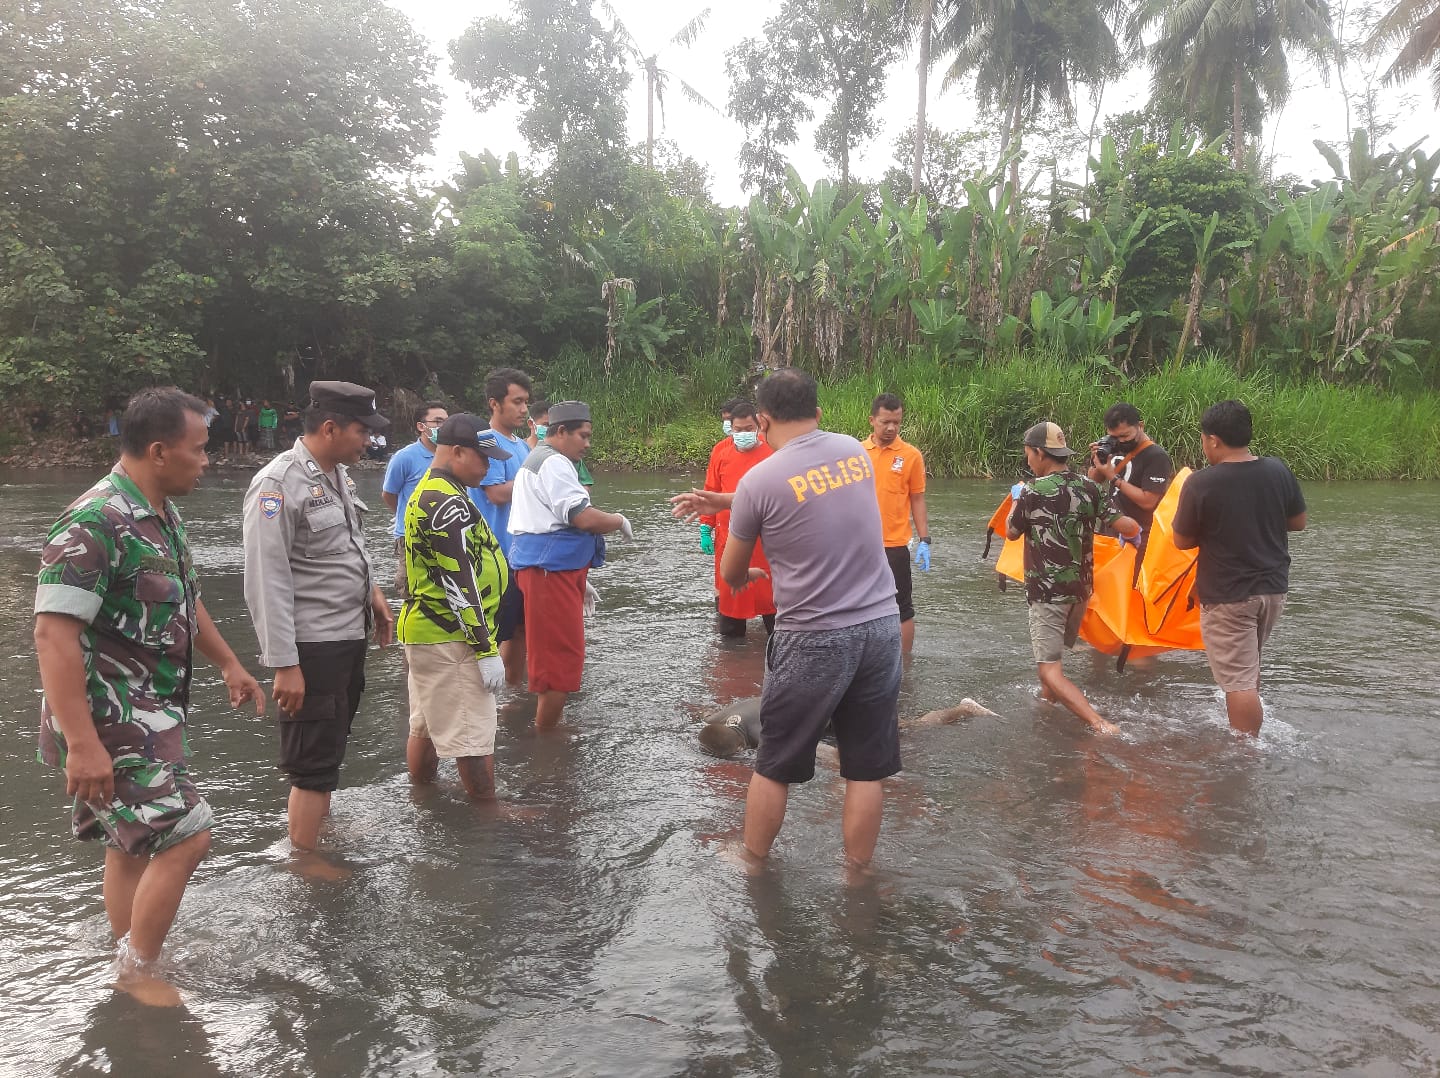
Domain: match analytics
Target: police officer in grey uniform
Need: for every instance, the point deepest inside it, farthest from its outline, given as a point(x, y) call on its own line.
point(312, 595)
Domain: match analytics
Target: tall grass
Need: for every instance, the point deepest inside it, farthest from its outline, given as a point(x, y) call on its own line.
point(968, 419)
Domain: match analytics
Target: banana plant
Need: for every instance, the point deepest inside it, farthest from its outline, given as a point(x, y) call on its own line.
point(1205, 253)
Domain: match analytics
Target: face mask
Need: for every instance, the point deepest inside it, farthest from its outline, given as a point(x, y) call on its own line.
point(745, 440)
point(725, 426)
point(1125, 448)
point(540, 429)
point(434, 432)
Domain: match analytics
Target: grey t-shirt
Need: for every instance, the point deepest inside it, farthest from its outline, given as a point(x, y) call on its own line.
point(813, 506)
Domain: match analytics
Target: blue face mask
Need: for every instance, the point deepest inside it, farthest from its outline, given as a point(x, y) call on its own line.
point(745, 440)
point(725, 426)
point(540, 429)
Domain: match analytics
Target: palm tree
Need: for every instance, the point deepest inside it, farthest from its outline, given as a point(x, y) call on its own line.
point(1224, 57)
point(1026, 54)
point(656, 77)
point(1415, 25)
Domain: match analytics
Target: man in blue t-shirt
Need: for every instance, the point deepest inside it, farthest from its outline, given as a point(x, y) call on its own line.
point(508, 392)
point(403, 474)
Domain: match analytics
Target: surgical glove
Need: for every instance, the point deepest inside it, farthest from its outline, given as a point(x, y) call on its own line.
point(492, 672)
point(625, 527)
point(1017, 490)
point(707, 539)
point(591, 600)
point(922, 556)
point(1133, 540)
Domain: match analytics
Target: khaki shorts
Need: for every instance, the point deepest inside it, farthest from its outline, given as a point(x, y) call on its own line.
point(1233, 634)
point(1053, 628)
point(449, 702)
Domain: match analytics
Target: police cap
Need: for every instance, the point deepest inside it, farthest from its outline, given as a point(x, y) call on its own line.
point(349, 400)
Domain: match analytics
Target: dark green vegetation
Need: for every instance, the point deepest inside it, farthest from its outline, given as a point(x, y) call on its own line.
point(198, 193)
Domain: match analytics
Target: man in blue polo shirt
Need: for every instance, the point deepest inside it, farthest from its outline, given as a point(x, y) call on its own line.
point(404, 472)
point(508, 392)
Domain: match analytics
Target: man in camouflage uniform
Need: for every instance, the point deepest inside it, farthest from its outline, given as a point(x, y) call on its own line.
point(1057, 514)
point(117, 615)
point(455, 576)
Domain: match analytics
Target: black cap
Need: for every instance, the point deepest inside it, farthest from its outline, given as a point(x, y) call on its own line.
point(569, 412)
point(465, 429)
point(349, 400)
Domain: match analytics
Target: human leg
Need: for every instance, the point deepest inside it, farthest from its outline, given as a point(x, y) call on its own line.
point(158, 893)
point(899, 559)
point(314, 739)
point(1057, 688)
point(860, 821)
point(1052, 629)
point(420, 760)
point(555, 660)
point(305, 811)
point(477, 775)
point(764, 813)
point(1245, 711)
point(1234, 634)
point(549, 707)
point(122, 875)
point(510, 632)
point(907, 635)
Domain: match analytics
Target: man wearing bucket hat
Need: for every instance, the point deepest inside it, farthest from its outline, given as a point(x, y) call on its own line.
point(1057, 514)
point(455, 575)
point(312, 595)
point(555, 540)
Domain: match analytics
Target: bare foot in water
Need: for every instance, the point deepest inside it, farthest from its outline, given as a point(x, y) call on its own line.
point(1103, 727)
point(315, 866)
point(138, 979)
point(733, 852)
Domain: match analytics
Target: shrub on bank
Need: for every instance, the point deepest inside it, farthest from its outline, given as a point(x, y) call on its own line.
point(968, 418)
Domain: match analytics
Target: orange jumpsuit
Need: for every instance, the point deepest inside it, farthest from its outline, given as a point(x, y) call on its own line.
point(727, 465)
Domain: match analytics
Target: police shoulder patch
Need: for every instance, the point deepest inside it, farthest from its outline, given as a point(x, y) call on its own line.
point(270, 503)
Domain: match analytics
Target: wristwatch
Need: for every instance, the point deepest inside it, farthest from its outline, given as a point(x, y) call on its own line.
point(925, 539)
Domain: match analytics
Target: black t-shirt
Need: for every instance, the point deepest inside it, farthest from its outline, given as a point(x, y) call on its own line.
point(1239, 512)
point(1150, 469)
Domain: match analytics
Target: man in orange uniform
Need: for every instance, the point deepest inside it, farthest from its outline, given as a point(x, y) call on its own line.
point(731, 458)
point(900, 489)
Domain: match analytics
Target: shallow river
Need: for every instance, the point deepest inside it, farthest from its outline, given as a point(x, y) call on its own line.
point(1045, 902)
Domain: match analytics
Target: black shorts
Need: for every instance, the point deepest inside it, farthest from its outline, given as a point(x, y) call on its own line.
point(312, 742)
point(510, 617)
point(899, 559)
point(849, 677)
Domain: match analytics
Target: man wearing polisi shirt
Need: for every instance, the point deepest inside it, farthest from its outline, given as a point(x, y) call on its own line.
point(555, 540)
point(1137, 469)
point(312, 595)
point(456, 575)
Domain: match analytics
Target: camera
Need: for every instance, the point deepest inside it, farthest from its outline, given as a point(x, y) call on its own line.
point(1107, 448)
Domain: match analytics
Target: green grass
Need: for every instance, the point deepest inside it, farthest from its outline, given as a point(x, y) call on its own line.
point(968, 418)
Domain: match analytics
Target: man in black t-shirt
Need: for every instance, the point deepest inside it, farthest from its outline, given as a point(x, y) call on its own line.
point(1239, 512)
point(1137, 469)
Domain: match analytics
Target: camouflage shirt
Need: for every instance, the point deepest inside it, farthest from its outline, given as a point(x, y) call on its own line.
point(1059, 514)
point(454, 570)
point(124, 570)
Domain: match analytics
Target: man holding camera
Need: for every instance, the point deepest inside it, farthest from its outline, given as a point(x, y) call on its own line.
point(1137, 469)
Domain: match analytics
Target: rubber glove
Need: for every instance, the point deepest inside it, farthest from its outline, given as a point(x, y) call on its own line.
point(922, 556)
point(591, 600)
point(1132, 540)
point(492, 672)
point(707, 539)
point(1017, 490)
point(626, 529)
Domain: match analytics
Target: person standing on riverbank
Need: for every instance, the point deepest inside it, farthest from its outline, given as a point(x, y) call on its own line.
point(1239, 512)
point(900, 486)
point(268, 422)
point(507, 391)
point(730, 460)
point(1057, 514)
point(118, 615)
point(556, 541)
point(403, 474)
point(457, 575)
point(835, 656)
point(312, 596)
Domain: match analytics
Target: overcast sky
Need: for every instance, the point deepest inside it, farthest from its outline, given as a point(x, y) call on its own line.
point(1314, 111)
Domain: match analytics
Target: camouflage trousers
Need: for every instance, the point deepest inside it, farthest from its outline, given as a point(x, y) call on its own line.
point(156, 806)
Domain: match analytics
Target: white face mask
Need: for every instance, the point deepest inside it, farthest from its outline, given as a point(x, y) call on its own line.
point(745, 440)
point(725, 426)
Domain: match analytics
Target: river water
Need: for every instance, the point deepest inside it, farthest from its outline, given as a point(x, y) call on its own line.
point(1175, 900)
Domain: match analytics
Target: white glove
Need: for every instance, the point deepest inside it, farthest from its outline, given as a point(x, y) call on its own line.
point(492, 672)
point(592, 600)
point(625, 527)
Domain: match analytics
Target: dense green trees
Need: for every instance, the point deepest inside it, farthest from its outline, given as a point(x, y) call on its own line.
point(192, 192)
